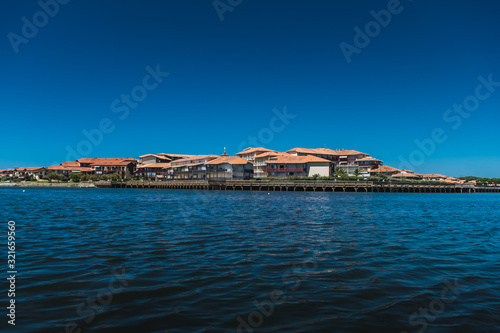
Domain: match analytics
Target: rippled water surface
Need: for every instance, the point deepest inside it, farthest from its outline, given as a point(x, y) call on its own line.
point(131, 260)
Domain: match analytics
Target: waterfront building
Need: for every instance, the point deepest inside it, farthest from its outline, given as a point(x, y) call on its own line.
point(36, 172)
point(325, 153)
point(384, 170)
point(407, 174)
point(188, 168)
point(66, 168)
point(289, 166)
point(7, 173)
point(229, 168)
point(434, 177)
point(19, 172)
point(260, 164)
point(152, 165)
point(250, 153)
point(365, 165)
point(347, 161)
point(160, 158)
point(123, 167)
point(151, 171)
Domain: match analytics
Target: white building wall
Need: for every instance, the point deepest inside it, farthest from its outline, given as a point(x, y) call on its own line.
point(321, 169)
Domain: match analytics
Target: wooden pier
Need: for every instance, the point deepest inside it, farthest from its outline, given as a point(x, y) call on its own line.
point(302, 186)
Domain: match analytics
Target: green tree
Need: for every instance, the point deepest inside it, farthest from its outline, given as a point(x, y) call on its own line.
point(356, 173)
point(114, 177)
point(50, 176)
point(341, 173)
point(75, 177)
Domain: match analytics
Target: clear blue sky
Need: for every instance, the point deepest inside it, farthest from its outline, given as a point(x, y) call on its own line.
point(226, 77)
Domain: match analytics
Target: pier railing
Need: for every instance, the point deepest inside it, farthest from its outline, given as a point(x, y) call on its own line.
point(304, 185)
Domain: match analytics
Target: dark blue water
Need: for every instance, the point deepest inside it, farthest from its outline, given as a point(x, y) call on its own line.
point(127, 260)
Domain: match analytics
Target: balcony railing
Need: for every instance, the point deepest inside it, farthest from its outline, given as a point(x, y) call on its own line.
point(286, 170)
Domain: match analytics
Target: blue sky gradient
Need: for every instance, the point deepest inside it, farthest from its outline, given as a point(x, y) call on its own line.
point(227, 76)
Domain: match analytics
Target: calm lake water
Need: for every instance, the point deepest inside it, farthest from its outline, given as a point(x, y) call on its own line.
point(131, 260)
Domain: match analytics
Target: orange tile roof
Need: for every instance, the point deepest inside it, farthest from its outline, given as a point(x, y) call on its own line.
point(228, 160)
point(250, 150)
point(368, 159)
point(71, 168)
point(56, 167)
point(160, 156)
point(111, 163)
point(314, 151)
point(432, 175)
point(142, 156)
point(384, 168)
point(406, 175)
point(271, 153)
point(34, 169)
point(100, 160)
point(296, 159)
point(184, 161)
point(350, 152)
point(70, 164)
point(154, 165)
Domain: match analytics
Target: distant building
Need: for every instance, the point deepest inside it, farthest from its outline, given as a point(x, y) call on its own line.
point(299, 166)
point(189, 168)
point(348, 162)
point(407, 174)
point(434, 177)
point(123, 167)
point(384, 170)
point(250, 153)
point(229, 168)
point(37, 172)
point(152, 165)
point(152, 171)
point(67, 168)
point(325, 153)
point(260, 164)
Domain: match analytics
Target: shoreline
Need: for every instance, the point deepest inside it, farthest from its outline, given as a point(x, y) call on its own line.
point(47, 184)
